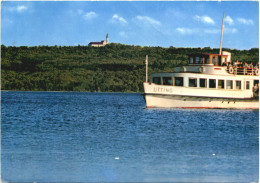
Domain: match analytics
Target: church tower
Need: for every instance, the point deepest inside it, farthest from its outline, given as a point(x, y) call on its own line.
point(107, 39)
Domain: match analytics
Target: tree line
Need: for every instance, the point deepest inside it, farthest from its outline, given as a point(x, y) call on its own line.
point(113, 68)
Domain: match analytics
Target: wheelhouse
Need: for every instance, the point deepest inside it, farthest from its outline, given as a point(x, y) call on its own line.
point(210, 59)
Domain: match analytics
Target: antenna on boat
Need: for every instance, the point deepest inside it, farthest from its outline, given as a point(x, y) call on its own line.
point(220, 49)
point(146, 63)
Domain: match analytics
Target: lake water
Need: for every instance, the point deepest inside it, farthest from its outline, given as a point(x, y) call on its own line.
point(112, 137)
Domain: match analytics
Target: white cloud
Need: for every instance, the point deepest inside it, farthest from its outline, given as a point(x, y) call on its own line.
point(229, 20)
point(212, 31)
point(19, 9)
point(116, 18)
point(204, 19)
point(232, 31)
point(185, 31)
point(245, 21)
point(90, 15)
point(148, 20)
point(188, 31)
point(217, 31)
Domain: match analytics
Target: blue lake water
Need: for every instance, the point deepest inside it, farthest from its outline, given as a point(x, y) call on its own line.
point(112, 137)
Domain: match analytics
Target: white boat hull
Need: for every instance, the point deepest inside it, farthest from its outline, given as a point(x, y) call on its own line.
point(158, 96)
point(172, 101)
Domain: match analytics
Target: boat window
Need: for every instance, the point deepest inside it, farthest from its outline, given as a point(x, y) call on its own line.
point(157, 80)
point(224, 60)
point(256, 82)
point(255, 87)
point(229, 84)
point(197, 60)
point(167, 81)
point(179, 81)
point(212, 83)
point(248, 85)
point(214, 60)
point(221, 84)
point(203, 83)
point(238, 85)
point(191, 60)
point(201, 60)
point(207, 60)
point(219, 60)
point(192, 82)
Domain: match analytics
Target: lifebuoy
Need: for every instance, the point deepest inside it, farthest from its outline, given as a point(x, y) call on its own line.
point(231, 70)
point(257, 71)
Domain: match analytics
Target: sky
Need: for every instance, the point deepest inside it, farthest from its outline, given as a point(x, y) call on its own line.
point(143, 23)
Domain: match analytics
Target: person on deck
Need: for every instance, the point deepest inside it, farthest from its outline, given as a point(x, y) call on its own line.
point(225, 63)
point(236, 63)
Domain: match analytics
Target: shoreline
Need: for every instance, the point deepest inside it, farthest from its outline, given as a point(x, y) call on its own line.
point(68, 91)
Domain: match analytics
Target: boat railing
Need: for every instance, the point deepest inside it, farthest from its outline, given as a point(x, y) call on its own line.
point(243, 70)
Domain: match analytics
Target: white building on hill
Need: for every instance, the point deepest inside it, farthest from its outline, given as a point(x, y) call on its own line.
point(99, 44)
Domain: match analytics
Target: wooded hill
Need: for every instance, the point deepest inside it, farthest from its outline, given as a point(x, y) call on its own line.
point(113, 68)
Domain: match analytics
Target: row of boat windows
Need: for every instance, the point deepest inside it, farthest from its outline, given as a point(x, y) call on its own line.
point(205, 60)
point(203, 83)
point(198, 60)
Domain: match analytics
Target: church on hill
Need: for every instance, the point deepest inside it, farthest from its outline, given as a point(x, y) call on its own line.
point(99, 44)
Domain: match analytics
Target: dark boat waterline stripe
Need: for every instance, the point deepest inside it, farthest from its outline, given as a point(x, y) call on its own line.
point(190, 96)
point(154, 107)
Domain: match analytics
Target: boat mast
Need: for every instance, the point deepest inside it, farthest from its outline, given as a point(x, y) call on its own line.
point(220, 49)
point(146, 63)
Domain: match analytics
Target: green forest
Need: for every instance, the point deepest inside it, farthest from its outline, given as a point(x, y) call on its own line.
point(113, 68)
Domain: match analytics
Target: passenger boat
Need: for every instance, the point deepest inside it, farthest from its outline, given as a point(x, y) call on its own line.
point(208, 81)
